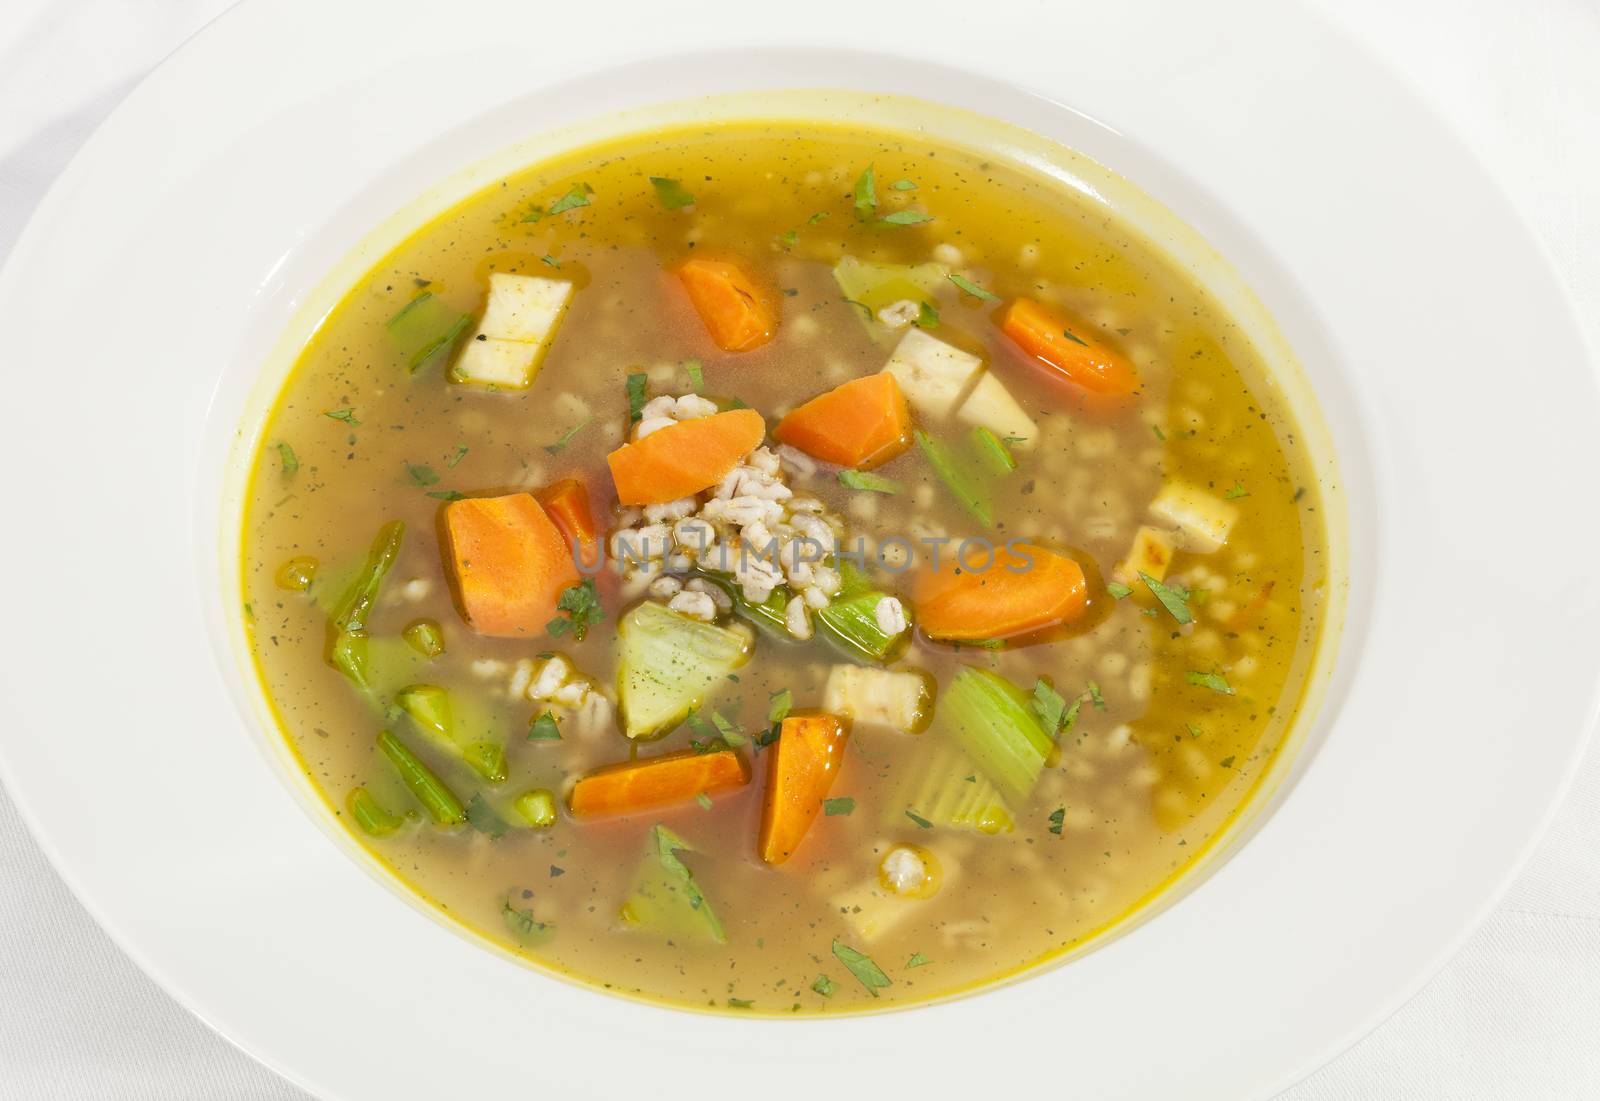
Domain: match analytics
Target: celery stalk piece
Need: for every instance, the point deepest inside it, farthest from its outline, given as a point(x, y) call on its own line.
point(991, 720)
point(958, 478)
point(876, 285)
point(439, 801)
point(665, 897)
point(470, 739)
point(668, 663)
point(949, 790)
point(371, 815)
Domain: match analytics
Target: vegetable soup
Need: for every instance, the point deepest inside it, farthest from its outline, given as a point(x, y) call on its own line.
point(783, 568)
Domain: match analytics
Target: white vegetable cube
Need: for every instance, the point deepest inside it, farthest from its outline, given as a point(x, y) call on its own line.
point(1150, 553)
point(933, 375)
point(991, 406)
point(519, 322)
point(877, 697)
point(1201, 520)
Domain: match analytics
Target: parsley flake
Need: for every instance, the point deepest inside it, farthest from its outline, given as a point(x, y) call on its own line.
point(582, 604)
point(973, 289)
point(672, 194)
point(347, 415)
point(1214, 681)
point(837, 806)
point(918, 819)
point(577, 196)
point(866, 194)
point(867, 973)
point(866, 480)
point(287, 459)
point(544, 729)
point(1171, 598)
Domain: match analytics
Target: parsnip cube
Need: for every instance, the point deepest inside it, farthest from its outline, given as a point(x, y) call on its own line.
point(933, 375)
point(877, 696)
point(519, 322)
point(991, 406)
point(1201, 520)
point(1150, 553)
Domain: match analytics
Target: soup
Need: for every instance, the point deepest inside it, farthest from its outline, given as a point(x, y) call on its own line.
point(782, 569)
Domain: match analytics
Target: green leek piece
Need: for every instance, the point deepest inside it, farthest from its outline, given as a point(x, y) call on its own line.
point(439, 801)
point(958, 477)
point(876, 285)
point(425, 637)
point(993, 723)
point(992, 451)
point(371, 815)
point(537, 807)
point(667, 664)
point(852, 623)
point(426, 329)
point(665, 897)
point(471, 740)
point(948, 790)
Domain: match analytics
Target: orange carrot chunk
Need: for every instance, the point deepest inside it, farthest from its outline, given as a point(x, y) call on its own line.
point(863, 423)
point(807, 758)
point(684, 458)
point(1021, 591)
point(672, 778)
point(737, 314)
point(567, 504)
point(508, 564)
point(1064, 352)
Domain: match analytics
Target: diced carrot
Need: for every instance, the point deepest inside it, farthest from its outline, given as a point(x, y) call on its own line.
point(737, 313)
point(804, 765)
point(1064, 352)
point(684, 458)
point(863, 423)
point(1021, 590)
point(507, 563)
point(567, 504)
point(672, 778)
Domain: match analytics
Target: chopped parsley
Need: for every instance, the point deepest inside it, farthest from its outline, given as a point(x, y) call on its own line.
point(837, 806)
point(1049, 705)
point(544, 729)
point(524, 926)
point(1194, 731)
point(577, 196)
point(824, 986)
point(460, 453)
point(346, 414)
point(704, 800)
point(1058, 820)
point(551, 260)
point(1070, 335)
point(1214, 681)
point(421, 475)
point(973, 289)
point(918, 819)
point(927, 316)
point(817, 217)
point(740, 1003)
point(1226, 762)
point(731, 734)
point(917, 960)
point(287, 459)
point(1171, 598)
point(1236, 492)
point(582, 604)
point(1118, 590)
point(787, 240)
point(867, 973)
point(636, 395)
point(672, 194)
point(866, 194)
point(697, 374)
point(902, 185)
point(905, 218)
point(482, 817)
point(872, 483)
point(1094, 694)
point(447, 495)
point(566, 437)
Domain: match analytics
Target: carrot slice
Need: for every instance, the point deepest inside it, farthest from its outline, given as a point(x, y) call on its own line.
point(863, 423)
point(1065, 353)
point(567, 504)
point(804, 764)
point(684, 458)
point(1025, 588)
point(672, 778)
point(507, 564)
point(737, 314)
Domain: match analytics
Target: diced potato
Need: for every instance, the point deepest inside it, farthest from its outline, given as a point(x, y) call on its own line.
point(1150, 553)
point(877, 696)
point(991, 406)
point(1201, 520)
point(519, 322)
point(933, 375)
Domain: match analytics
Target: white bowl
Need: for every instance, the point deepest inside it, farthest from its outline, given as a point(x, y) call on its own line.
point(183, 254)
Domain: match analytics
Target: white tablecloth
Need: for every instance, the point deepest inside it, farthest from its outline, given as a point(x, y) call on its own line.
point(1516, 1015)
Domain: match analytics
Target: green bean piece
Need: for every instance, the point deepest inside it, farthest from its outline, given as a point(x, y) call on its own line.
point(429, 707)
point(425, 637)
point(537, 807)
point(296, 574)
point(350, 615)
point(431, 792)
point(348, 654)
point(371, 815)
point(957, 477)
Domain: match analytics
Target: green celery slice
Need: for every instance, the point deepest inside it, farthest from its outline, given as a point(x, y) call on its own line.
point(958, 477)
point(991, 720)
